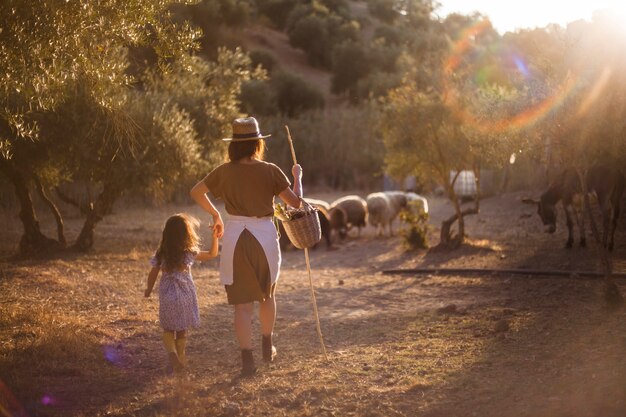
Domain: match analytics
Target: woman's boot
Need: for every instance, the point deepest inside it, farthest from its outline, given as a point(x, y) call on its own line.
point(269, 350)
point(247, 361)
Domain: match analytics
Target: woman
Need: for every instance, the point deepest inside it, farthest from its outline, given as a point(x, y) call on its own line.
point(250, 259)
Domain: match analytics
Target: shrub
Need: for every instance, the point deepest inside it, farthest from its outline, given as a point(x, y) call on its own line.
point(277, 11)
point(377, 84)
point(294, 95)
point(264, 59)
point(414, 235)
point(383, 10)
point(258, 98)
point(340, 149)
point(311, 35)
point(350, 63)
point(391, 34)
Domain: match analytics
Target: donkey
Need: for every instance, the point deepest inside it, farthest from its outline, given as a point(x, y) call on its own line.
point(607, 182)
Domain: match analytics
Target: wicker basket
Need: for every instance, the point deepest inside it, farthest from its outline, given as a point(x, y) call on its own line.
point(304, 232)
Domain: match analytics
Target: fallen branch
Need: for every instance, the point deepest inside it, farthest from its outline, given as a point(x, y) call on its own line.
point(488, 271)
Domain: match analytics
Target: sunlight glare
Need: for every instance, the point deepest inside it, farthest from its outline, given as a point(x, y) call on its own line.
point(512, 16)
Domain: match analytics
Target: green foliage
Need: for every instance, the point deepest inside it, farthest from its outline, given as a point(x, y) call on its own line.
point(277, 11)
point(312, 36)
point(220, 21)
point(377, 85)
point(264, 59)
point(171, 153)
point(350, 63)
point(339, 7)
point(317, 29)
point(384, 10)
point(391, 34)
point(258, 98)
point(71, 111)
point(294, 95)
point(144, 146)
point(339, 149)
point(45, 45)
point(209, 93)
point(415, 233)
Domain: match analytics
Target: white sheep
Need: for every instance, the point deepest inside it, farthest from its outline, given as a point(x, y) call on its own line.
point(398, 202)
point(380, 212)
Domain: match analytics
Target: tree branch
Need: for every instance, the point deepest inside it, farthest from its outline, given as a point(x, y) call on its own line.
point(53, 208)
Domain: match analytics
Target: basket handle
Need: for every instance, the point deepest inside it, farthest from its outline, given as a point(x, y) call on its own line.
point(308, 207)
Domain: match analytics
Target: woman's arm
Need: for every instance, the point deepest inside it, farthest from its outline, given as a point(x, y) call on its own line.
point(290, 198)
point(152, 276)
point(198, 193)
point(206, 255)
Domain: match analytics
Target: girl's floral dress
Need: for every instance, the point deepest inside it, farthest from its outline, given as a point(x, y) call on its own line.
point(178, 304)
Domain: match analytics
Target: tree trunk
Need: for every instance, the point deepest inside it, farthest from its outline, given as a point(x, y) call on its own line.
point(33, 242)
point(95, 213)
point(53, 208)
point(445, 238)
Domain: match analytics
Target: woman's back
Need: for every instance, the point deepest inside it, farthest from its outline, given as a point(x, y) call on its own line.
point(248, 189)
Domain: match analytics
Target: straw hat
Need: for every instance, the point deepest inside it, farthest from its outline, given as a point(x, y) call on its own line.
point(244, 129)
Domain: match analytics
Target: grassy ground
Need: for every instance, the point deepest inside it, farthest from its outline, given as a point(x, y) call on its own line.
point(77, 338)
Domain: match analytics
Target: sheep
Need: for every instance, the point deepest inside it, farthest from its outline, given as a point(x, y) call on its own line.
point(380, 212)
point(336, 219)
point(398, 202)
point(318, 203)
point(355, 209)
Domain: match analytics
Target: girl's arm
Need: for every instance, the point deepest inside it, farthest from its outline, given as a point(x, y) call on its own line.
point(198, 193)
point(206, 255)
point(152, 276)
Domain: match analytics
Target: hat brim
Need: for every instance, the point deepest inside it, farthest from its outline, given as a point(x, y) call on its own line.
point(245, 139)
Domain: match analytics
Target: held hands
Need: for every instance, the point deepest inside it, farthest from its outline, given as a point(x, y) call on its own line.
point(218, 226)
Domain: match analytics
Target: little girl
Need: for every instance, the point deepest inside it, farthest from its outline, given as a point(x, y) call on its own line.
point(178, 306)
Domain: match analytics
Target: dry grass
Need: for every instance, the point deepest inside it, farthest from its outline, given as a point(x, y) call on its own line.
point(78, 339)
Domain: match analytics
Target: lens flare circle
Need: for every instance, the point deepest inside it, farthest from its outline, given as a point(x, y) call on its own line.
point(524, 119)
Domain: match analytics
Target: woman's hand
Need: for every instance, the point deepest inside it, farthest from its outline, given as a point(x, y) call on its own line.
point(296, 171)
point(218, 226)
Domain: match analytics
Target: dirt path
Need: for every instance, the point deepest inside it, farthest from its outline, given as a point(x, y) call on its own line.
point(78, 339)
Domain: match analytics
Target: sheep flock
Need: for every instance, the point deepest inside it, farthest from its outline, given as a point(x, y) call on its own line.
point(379, 210)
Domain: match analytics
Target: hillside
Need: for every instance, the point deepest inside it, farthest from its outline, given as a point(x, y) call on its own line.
point(276, 43)
point(293, 60)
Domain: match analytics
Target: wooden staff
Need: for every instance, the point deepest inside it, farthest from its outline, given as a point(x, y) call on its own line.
point(308, 264)
point(293, 151)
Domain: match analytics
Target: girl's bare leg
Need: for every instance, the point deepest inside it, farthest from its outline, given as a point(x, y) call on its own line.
point(181, 343)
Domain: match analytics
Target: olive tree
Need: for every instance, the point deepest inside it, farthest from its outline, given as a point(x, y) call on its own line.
point(70, 109)
point(442, 121)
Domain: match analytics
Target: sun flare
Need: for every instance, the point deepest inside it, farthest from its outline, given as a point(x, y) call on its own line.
point(511, 16)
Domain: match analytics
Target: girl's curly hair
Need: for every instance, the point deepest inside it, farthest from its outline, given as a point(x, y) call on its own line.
point(179, 237)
